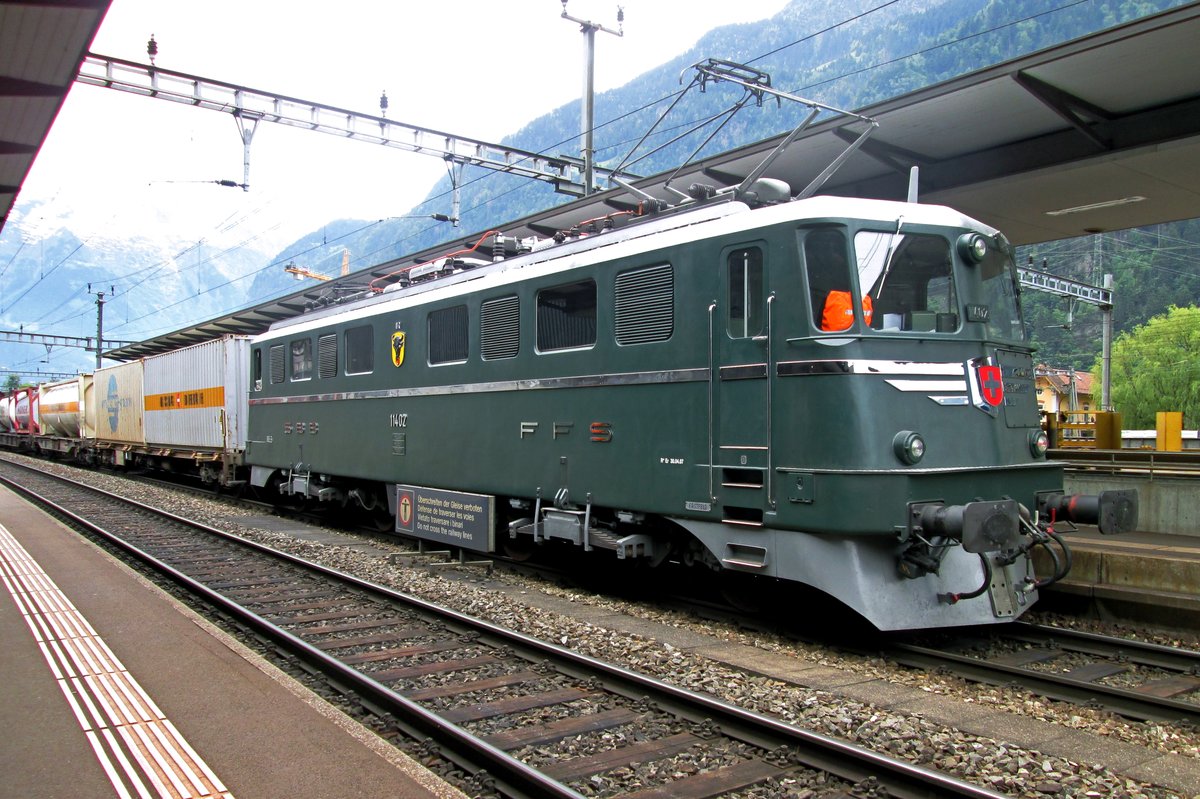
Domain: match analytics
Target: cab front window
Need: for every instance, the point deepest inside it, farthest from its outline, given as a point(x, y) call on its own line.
point(910, 280)
point(1000, 293)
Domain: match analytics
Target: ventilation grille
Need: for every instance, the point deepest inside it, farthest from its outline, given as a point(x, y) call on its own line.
point(277, 363)
point(448, 335)
point(500, 328)
point(327, 356)
point(645, 305)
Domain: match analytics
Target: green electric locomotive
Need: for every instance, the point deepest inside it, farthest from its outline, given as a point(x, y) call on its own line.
point(836, 392)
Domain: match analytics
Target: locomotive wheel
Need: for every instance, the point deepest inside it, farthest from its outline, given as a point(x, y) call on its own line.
point(742, 591)
point(383, 522)
point(520, 548)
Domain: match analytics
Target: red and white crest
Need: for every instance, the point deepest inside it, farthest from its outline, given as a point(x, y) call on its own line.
point(991, 384)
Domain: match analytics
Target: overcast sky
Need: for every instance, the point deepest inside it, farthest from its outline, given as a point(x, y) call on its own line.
point(121, 164)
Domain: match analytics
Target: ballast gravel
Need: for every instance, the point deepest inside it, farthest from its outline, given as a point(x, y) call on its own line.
point(990, 763)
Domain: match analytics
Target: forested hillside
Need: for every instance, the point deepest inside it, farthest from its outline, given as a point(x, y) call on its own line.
point(839, 53)
point(1152, 268)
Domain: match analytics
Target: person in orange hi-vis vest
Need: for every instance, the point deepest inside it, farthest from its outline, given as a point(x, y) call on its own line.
point(839, 311)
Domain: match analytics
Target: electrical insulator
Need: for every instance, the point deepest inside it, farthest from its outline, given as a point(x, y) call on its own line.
point(152, 48)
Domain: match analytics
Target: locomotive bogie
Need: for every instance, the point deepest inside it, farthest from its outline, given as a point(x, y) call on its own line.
point(861, 574)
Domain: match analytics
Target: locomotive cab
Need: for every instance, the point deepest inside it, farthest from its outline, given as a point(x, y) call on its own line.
point(907, 394)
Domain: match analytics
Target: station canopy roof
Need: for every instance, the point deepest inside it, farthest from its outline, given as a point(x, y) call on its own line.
point(1100, 133)
point(41, 46)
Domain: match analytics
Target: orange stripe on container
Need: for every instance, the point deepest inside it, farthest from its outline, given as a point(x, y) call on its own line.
point(191, 399)
point(61, 407)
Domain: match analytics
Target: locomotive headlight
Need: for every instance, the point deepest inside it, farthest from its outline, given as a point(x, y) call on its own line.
point(1039, 442)
point(909, 447)
point(973, 247)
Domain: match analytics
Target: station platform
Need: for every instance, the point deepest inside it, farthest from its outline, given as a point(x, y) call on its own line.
point(111, 688)
point(1135, 578)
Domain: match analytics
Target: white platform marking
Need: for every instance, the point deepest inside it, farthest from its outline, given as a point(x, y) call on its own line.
point(104, 697)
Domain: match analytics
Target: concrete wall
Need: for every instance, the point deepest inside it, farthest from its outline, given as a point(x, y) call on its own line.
point(1165, 504)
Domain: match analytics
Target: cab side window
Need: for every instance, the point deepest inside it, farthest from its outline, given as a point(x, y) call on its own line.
point(302, 360)
point(827, 268)
point(360, 350)
point(256, 369)
point(747, 315)
point(566, 316)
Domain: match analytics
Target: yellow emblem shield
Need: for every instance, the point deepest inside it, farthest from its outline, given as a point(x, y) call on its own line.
point(398, 348)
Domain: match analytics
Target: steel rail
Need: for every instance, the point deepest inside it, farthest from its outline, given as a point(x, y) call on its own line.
point(1125, 702)
point(843, 759)
point(1183, 661)
point(518, 778)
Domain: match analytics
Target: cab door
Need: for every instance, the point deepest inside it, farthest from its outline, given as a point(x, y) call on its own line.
point(741, 385)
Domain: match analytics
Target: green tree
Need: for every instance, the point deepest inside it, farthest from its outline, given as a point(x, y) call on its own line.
point(1156, 367)
point(12, 382)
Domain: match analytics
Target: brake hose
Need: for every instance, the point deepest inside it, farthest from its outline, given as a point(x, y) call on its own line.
point(953, 598)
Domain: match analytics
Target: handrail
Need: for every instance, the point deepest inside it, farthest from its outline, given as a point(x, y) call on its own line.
point(1137, 461)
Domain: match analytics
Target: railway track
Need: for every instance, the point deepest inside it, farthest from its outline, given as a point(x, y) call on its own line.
point(523, 717)
point(1136, 679)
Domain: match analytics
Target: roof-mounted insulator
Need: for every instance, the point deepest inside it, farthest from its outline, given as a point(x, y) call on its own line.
point(651, 206)
point(152, 49)
point(383, 104)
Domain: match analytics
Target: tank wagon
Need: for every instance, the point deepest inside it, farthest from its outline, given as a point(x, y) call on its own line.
point(831, 391)
point(61, 414)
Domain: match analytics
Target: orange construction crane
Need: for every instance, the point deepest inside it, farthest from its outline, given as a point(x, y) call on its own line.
point(300, 272)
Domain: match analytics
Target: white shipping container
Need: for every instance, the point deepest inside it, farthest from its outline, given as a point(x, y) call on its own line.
point(61, 407)
point(195, 398)
point(113, 408)
point(6, 409)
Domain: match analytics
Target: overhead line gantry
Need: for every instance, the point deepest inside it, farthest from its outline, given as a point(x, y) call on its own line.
point(250, 106)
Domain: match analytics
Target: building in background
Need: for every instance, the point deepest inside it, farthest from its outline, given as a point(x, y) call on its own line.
point(1061, 390)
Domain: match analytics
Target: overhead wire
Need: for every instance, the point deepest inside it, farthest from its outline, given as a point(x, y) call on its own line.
point(807, 37)
point(11, 259)
point(231, 281)
point(801, 40)
point(43, 276)
point(940, 46)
